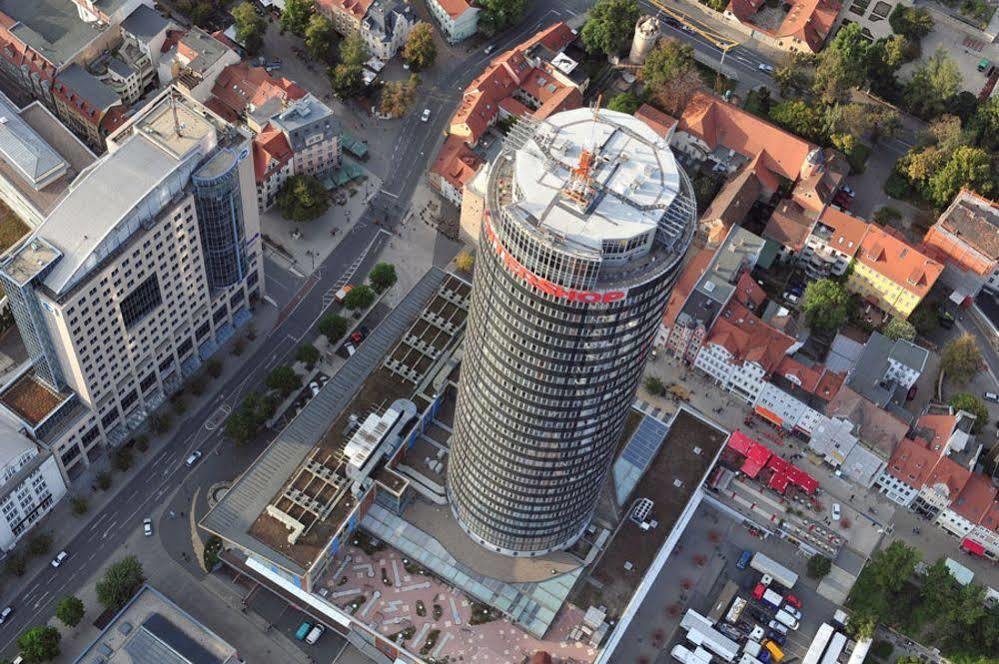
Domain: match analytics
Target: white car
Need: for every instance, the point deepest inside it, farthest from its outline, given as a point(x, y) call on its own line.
point(837, 512)
point(59, 559)
point(791, 611)
point(147, 527)
point(426, 115)
point(489, 49)
point(6, 614)
point(764, 67)
point(778, 627)
point(193, 459)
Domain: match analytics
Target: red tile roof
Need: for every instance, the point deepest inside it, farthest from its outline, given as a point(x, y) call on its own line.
point(789, 226)
point(976, 499)
point(967, 234)
point(895, 259)
point(847, 231)
point(454, 8)
point(688, 278)
point(506, 74)
point(717, 122)
point(749, 293)
point(354, 8)
point(937, 429)
point(456, 162)
point(747, 338)
point(271, 152)
point(660, 123)
point(817, 380)
point(912, 462)
point(990, 519)
point(948, 477)
point(808, 20)
point(240, 86)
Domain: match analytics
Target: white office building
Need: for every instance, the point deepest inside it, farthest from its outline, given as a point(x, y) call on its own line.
point(137, 276)
point(30, 484)
point(458, 20)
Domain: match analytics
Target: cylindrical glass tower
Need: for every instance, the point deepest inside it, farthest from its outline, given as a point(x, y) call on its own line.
point(220, 219)
point(587, 222)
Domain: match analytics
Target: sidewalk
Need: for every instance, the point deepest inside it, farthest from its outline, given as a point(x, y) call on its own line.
point(64, 526)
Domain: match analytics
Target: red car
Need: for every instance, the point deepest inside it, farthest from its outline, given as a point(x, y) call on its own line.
point(758, 591)
point(793, 601)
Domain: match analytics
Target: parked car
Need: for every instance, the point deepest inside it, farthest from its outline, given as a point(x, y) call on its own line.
point(6, 614)
point(193, 459)
point(759, 615)
point(991, 396)
point(793, 601)
point(342, 293)
point(777, 626)
point(793, 612)
point(357, 336)
point(147, 527)
point(314, 388)
point(489, 49)
point(426, 115)
point(59, 559)
point(744, 559)
point(837, 512)
point(791, 297)
point(303, 630)
point(777, 637)
point(314, 634)
point(764, 67)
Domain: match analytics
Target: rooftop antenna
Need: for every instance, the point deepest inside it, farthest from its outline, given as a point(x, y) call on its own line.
point(579, 188)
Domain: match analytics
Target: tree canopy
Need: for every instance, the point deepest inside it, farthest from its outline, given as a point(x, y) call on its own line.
point(296, 15)
point(382, 277)
point(333, 326)
point(284, 380)
point(354, 50)
point(319, 37)
point(302, 198)
point(932, 85)
point(121, 580)
point(826, 304)
point(359, 297)
point(819, 566)
point(398, 96)
point(39, 644)
point(972, 404)
point(610, 26)
point(899, 328)
point(250, 27)
point(842, 64)
point(420, 50)
point(670, 76)
point(961, 359)
point(498, 15)
point(802, 118)
point(70, 610)
point(625, 102)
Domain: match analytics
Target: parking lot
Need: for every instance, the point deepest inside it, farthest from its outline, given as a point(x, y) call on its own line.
point(287, 619)
point(703, 561)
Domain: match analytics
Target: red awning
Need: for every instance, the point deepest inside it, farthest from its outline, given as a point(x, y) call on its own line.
point(756, 460)
point(740, 442)
point(770, 416)
point(971, 546)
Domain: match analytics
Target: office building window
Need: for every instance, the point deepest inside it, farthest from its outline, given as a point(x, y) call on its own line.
point(141, 301)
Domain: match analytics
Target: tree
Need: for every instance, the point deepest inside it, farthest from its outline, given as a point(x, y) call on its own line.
point(80, 505)
point(985, 124)
point(244, 423)
point(932, 85)
point(891, 567)
point(625, 102)
point(15, 565)
point(121, 580)
point(319, 36)
point(800, 117)
point(333, 327)
point(354, 50)
point(792, 76)
point(40, 544)
point(308, 355)
point(302, 198)
point(296, 15)
point(842, 64)
point(420, 50)
point(70, 610)
point(465, 260)
point(398, 96)
point(938, 589)
point(498, 15)
point(899, 328)
point(670, 76)
point(819, 566)
point(122, 459)
point(39, 644)
point(382, 277)
point(284, 380)
point(359, 297)
point(967, 167)
point(826, 304)
point(909, 21)
point(971, 404)
point(347, 81)
point(610, 27)
point(655, 386)
point(250, 27)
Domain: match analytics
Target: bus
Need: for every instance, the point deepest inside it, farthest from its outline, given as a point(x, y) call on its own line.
point(819, 643)
point(836, 645)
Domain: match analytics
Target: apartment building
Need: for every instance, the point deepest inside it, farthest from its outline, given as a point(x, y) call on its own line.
point(384, 24)
point(30, 484)
point(832, 243)
point(966, 240)
point(534, 79)
point(243, 93)
point(137, 276)
point(313, 133)
point(193, 60)
point(891, 274)
point(803, 26)
point(458, 19)
point(887, 370)
point(272, 165)
point(455, 166)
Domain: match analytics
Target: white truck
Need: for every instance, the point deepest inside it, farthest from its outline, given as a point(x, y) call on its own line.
point(716, 642)
point(786, 618)
point(768, 566)
point(687, 656)
point(818, 645)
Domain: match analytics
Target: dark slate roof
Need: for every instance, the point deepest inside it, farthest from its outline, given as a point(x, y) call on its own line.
point(159, 641)
point(88, 86)
point(145, 23)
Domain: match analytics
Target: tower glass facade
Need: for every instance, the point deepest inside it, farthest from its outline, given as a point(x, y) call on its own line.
point(220, 219)
point(565, 305)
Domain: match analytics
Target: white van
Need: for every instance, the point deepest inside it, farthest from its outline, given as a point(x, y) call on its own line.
point(314, 635)
point(786, 618)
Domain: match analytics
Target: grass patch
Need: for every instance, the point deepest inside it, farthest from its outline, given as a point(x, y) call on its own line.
point(12, 228)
